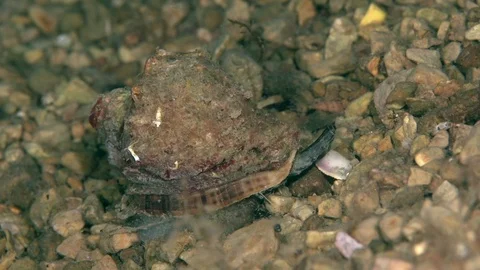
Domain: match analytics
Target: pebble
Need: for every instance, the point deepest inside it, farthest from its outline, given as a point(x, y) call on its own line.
point(302, 210)
point(72, 245)
point(406, 133)
point(441, 139)
point(307, 58)
point(42, 207)
point(113, 243)
point(470, 56)
point(447, 195)
point(447, 89)
point(279, 205)
point(419, 177)
point(330, 208)
point(424, 56)
point(427, 75)
point(403, 90)
point(346, 244)
point(76, 90)
point(428, 154)
point(42, 19)
point(366, 231)
point(451, 51)
point(162, 266)
point(279, 29)
point(452, 171)
point(42, 81)
point(387, 263)
point(320, 239)
point(251, 246)
point(433, 16)
point(359, 106)
point(473, 33)
point(471, 147)
point(367, 145)
point(374, 15)
point(67, 223)
point(80, 163)
point(289, 224)
point(337, 65)
point(342, 34)
point(106, 263)
point(459, 134)
point(314, 182)
point(305, 11)
point(390, 226)
point(441, 219)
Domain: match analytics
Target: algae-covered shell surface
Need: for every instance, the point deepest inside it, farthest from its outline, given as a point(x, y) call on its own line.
point(187, 138)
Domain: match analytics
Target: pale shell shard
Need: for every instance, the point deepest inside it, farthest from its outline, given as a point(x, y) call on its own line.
point(335, 165)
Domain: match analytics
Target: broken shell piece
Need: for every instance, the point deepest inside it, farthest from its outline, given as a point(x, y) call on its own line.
point(335, 165)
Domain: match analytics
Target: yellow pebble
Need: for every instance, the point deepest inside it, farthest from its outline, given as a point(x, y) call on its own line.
point(374, 15)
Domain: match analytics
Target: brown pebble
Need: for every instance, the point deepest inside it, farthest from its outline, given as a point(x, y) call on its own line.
point(42, 19)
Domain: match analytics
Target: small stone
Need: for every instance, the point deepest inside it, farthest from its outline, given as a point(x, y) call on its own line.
point(442, 219)
point(21, 264)
point(366, 231)
point(128, 55)
point(419, 177)
point(78, 91)
point(406, 197)
point(387, 263)
point(314, 182)
point(280, 28)
point(402, 91)
point(42, 207)
point(413, 229)
point(447, 195)
point(162, 266)
point(33, 56)
point(251, 246)
point(43, 81)
point(452, 171)
point(359, 106)
point(175, 245)
point(447, 89)
point(374, 15)
point(470, 56)
point(42, 19)
point(72, 245)
point(67, 223)
point(71, 21)
point(89, 255)
point(320, 239)
point(289, 224)
point(92, 210)
point(106, 263)
point(342, 34)
point(113, 243)
point(367, 145)
point(428, 154)
point(385, 144)
point(330, 208)
point(305, 11)
point(279, 204)
point(424, 56)
point(406, 132)
point(451, 51)
point(279, 264)
point(420, 142)
point(78, 162)
point(346, 244)
point(471, 147)
point(306, 58)
point(78, 60)
point(440, 139)
point(429, 76)
point(459, 133)
point(433, 16)
point(390, 226)
point(339, 64)
point(473, 33)
point(302, 210)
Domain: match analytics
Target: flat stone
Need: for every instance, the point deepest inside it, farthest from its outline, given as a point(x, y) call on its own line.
point(71, 246)
point(428, 154)
point(419, 177)
point(67, 223)
point(330, 208)
point(424, 56)
point(254, 245)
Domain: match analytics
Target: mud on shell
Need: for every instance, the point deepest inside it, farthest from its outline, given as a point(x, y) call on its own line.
point(189, 140)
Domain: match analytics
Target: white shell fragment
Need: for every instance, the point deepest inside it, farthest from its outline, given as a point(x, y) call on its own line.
point(335, 165)
point(346, 244)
